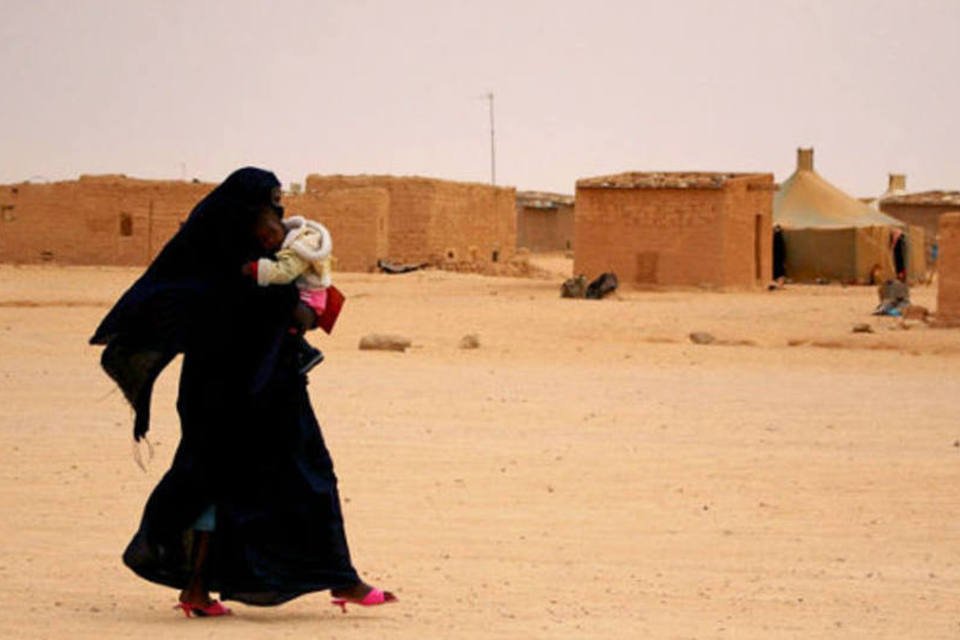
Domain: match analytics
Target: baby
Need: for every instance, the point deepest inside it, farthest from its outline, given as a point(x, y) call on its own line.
point(303, 257)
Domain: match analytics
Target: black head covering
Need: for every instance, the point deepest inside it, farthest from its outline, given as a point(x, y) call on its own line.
point(157, 317)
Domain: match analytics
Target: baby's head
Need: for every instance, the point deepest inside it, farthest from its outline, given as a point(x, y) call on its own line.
point(269, 230)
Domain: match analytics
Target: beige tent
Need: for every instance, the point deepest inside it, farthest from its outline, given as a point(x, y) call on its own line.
point(830, 235)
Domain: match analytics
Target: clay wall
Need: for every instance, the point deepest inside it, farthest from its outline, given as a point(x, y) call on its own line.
point(648, 236)
point(748, 231)
point(948, 275)
point(110, 219)
point(117, 220)
point(545, 228)
point(473, 222)
point(437, 220)
point(565, 216)
point(677, 236)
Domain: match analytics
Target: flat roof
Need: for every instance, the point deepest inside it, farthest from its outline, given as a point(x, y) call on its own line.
point(665, 180)
point(925, 198)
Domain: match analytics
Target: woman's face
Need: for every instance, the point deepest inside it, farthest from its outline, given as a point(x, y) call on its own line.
point(269, 231)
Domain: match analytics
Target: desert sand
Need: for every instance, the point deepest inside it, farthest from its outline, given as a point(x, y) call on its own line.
point(587, 472)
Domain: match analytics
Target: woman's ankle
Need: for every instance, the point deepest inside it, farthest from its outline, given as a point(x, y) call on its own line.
point(195, 597)
point(358, 591)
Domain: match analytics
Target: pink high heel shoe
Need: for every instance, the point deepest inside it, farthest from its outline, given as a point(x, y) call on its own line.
point(374, 597)
point(213, 609)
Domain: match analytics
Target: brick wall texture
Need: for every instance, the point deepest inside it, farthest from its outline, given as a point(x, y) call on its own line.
point(714, 237)
point(545, 228)
point(948, 271)
point(434, 221)
point(110, 220)
point(115, 220)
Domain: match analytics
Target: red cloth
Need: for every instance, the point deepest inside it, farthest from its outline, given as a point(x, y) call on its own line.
point(331, 311)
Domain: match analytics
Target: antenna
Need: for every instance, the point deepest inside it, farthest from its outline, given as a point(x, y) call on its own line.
point(493, 146)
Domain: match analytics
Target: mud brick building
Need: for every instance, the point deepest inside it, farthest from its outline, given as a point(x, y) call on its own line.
point(544, 221)
point(411, 219)
point(96, 220)
point(676, 229)
point(116, 220)
point(948, 287)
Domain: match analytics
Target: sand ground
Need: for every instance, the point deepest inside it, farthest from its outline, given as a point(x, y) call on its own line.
point(586, 472)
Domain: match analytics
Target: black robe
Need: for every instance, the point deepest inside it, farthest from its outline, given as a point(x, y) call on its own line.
point(250, 443)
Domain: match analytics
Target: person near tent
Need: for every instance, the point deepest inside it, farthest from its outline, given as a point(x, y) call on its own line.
point(898, 245)
point(894, 298)
point(249, 507)
point(779, 257)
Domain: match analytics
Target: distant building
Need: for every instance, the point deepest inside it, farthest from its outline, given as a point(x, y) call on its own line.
point(96, 220)
point(116, 220)
point(676, 229)
point(411, 220)
point(922, 209)
point(544, 221)
point(948, 276)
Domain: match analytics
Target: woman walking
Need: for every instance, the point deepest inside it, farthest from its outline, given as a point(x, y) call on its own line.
point(249, 507)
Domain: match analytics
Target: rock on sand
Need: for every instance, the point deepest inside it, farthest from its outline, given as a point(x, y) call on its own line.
point(384, 342)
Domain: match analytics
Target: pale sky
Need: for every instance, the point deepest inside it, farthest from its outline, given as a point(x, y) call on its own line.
point(197, 88)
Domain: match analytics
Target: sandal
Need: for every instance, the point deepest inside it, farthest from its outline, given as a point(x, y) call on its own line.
point(374, 597)
point(213, 609)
